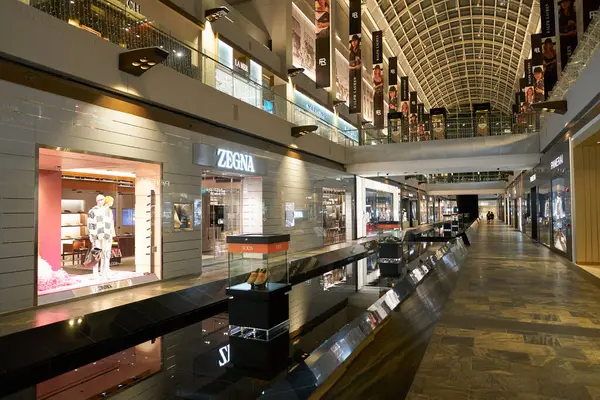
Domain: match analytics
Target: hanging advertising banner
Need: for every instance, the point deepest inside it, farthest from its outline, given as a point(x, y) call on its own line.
point(341, 76)
point(420, 122)
point(393, 83)
point(590, 11)
point(413, 119)
point(537, 61)
point(528, 73)
point(393, 72)
point(393, 106)
point(567, 29)
point(378, 117)
point(404, 97)
point(528, 95)
point(548, 34)
point(427, 125)
point(322, 44)
point(355, 57)
point(438, 123)
point(481, 113)
point(420, 112)
point(303, 42)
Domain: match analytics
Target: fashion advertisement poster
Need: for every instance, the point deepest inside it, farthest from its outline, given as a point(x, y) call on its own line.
point(355, 57)
point(527, 97)
point(413, 118)
point(341, 76)
point(548, 35)
point(567, 29)
point(393, 101)
point(537, 60)
point(378, 91)
point(303, 43)
point(404, 97)
point(438, 123)
point(367, 100)
point(322, 43)
point(482, 123)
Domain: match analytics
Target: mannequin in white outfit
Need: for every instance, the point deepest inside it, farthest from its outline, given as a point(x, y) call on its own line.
point(101, 229)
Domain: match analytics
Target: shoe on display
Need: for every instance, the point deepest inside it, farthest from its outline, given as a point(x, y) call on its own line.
point(252, 277)
point(262, 277)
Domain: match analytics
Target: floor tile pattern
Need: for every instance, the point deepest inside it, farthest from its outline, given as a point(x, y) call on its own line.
point(522, 323)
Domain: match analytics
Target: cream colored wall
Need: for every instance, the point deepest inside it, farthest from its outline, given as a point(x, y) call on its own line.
point(586, 173)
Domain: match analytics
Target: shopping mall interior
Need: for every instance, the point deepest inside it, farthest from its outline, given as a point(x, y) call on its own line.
point(298, 199)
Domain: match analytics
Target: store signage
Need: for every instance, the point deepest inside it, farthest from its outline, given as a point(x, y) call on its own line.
point(233, 160)
point(557, 162)
point(226, 159)
point(225, 355)
point(532, 178)
point(102, 288)
point(240, 65)
point(132, 5)
point(324, 114)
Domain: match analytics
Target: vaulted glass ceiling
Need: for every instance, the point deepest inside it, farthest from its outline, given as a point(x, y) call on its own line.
point(464, 51)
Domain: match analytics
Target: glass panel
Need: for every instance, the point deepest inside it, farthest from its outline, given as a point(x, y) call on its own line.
point(559, 215)
point(544, 214)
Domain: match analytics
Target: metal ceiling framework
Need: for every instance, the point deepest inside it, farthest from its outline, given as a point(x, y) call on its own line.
point(464, 51)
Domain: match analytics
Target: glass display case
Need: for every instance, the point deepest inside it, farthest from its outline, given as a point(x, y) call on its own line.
point(257, 261)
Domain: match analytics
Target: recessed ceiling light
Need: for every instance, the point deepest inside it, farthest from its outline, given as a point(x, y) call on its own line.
point(136, 64)
point(143, 60)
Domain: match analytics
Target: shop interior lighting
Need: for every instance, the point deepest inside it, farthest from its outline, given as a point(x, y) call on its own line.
point(136, 62)
point(303, 130)
point(292, 72)
point(213, 14)
point(557, 107)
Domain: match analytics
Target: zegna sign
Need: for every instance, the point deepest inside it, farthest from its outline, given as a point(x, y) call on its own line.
point(226, 159)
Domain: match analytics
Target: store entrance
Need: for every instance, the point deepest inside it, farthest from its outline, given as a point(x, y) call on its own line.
point(231, 205)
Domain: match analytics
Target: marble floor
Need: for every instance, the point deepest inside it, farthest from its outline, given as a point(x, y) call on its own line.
point(522, 323)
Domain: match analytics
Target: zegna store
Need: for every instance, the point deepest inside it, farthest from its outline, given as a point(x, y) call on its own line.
point(157, 201)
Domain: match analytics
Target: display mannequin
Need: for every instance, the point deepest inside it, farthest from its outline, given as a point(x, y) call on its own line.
point(101, 230)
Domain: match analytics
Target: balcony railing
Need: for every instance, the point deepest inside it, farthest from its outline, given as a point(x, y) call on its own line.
point(112, 21)
point(463, 177)
point(451, 128)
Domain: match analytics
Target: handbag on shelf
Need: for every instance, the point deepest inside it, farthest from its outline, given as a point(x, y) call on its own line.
point(92, 258)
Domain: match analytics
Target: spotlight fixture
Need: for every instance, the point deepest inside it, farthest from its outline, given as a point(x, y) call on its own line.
point(138, 61)
point(365, 123)
point(213, 14)
point(299, 131)
point(292, 72)
point(338, 103)
point(557, 107)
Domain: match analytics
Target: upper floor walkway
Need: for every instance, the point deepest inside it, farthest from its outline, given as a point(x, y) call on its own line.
point(82, 40)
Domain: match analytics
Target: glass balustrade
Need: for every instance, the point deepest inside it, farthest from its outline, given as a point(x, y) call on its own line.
point(451, 128)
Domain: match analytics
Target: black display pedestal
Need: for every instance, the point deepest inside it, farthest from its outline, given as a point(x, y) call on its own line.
point(259, 327)
point(390, 269)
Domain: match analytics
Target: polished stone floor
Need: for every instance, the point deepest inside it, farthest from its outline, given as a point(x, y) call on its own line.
point(522, 323)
